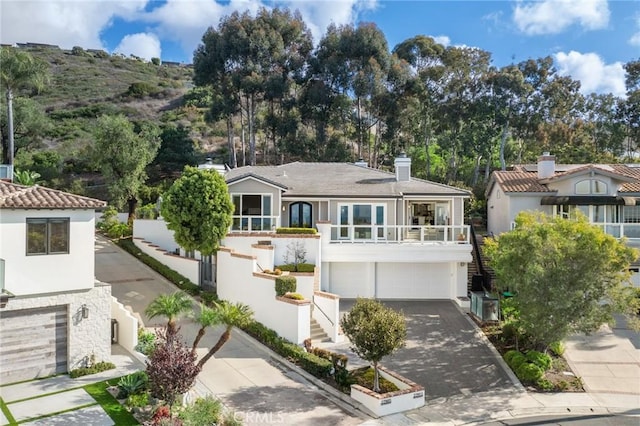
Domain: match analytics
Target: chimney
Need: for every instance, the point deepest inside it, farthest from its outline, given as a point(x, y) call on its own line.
point(403, 168)
point(546, 165)
point(361, 163)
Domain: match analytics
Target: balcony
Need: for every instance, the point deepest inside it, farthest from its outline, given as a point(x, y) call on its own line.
point(620, 230)
point(405, 234)
point(254, 223)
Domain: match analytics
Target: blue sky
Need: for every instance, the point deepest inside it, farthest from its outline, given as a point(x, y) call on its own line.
point(588, 39)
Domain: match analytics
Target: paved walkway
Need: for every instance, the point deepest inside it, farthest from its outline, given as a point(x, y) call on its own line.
point(37, 398)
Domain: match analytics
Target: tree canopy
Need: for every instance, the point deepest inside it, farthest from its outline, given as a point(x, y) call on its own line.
point(567, 275)
point(122, 153)
point(374, 331)
point(198, 208)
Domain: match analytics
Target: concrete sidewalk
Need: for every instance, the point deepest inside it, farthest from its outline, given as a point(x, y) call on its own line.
point(37, 398)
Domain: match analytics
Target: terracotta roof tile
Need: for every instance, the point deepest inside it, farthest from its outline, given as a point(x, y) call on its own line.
point(14, 196)
point(518, 181)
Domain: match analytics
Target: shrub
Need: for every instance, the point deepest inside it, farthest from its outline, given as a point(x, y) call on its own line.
point(517, 360)
point(315, 365)
point(508, 356)
point(132, 384)
point(118, 230)
point(146, 342)
point(546, 385)
point(557, 348)
point(140, 89)
point(176, 278)
point(541, 360)
point(96, 368)
point(509, 331)
point(208, 297)
point(204, 411)
point(162, 412)
point(311, 231)
point(285, 284)
point(294, 296)
point(302, 267)
point(364, 377)
point(138, 400)
point(528, 372)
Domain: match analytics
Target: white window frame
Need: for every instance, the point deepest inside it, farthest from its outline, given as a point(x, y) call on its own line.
point(350, 227)
point(239, 219)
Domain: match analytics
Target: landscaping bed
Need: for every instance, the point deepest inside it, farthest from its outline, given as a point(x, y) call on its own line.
point(558, 377)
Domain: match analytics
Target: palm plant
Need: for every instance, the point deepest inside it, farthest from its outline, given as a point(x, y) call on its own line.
point(26, 177)
point(207, 317)
point(18, 69)
point(231, 315)
point(171, 306)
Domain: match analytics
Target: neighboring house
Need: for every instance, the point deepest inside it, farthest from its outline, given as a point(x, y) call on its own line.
point(607, 194)
point(383, 235)
point(54, 317)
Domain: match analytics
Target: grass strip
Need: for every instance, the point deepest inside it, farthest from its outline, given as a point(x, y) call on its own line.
point(7, 413)
point(109, 404)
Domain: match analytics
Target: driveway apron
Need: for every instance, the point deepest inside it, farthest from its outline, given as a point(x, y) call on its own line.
point(443, 353)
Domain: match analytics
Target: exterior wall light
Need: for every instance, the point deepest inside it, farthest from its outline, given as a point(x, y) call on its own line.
point(85, 312)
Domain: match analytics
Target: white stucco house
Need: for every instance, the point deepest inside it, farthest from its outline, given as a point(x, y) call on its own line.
point(382, 235)
point(607, 194)
point(54, 315)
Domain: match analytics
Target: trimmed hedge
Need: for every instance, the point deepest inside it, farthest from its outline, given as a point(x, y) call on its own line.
point(311, 231)
point(529, 372)
point(285, 284)
point(99, 367)
point(302, 267)
point(319, 367)
point(178, 279)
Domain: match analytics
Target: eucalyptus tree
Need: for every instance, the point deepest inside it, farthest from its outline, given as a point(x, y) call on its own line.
point(631, 107)
point(424, 55)
point(18, 70)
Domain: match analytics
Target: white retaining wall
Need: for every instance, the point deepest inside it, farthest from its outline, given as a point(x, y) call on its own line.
point(127, 325)
point(327, 314)
point(186, 266)
point(239, 281)
point(155, 231)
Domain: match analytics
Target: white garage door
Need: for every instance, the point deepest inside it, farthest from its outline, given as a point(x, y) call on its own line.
point(413, 281)
point(33, 343)
point(351, 280)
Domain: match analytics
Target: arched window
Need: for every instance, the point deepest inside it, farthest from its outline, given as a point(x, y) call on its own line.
point(300, 215)
point(591, 186)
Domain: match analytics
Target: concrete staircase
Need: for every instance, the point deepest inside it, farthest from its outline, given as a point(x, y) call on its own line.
point(317, 333)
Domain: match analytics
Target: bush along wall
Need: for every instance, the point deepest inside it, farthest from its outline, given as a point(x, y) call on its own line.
point(285, 284)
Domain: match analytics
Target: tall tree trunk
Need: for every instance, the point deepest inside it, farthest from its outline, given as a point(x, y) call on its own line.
point(10, 148)
point(233, 160)
point(476, 170)
point(221, 341)
point(132, 203)
point(359, 128)
point(376, 378)
point(252, 132)
point(242, 134)
point(503, 142)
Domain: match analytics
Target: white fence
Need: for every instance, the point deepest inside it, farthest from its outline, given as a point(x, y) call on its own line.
point(127, 327)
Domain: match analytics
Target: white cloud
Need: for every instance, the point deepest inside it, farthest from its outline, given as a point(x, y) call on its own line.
point(554, 16)
point(443, 40)
point(594, 75)
point(143, 45)
point(635, 38)
point(62, 22)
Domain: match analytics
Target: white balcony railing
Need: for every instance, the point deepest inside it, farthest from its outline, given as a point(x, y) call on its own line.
point(254, 223)
point(617, 230)
point(382, 234)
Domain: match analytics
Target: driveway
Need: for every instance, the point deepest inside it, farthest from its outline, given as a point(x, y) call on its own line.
point(241, 374)
point(443, 353)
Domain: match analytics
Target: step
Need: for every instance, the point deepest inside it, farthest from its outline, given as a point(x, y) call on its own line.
point(317, 334)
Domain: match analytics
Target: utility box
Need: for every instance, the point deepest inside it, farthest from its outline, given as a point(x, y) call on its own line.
point(484, 306)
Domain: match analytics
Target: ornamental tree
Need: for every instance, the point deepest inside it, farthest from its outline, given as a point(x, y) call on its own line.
point(375, 331)
point(567, 275)
point(198, 209)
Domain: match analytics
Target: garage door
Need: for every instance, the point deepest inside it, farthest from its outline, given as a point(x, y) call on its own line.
point(351, 280)
point(34, 343)
point(413, 281)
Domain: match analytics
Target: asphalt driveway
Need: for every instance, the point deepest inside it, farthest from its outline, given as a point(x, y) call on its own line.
point(443, 353)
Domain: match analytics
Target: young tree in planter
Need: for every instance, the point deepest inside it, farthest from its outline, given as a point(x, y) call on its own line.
point(198, 209)
point(375, 331)
point(568, 276)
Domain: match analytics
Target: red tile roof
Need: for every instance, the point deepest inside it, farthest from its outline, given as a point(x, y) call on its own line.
point(525, 178)
point(14, 196)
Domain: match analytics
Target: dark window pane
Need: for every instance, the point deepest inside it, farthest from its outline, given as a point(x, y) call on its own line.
point(36, 237)
point(59, 236)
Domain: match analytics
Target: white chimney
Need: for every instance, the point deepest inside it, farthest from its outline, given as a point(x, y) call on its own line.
point(403, 168)
point(546, 165)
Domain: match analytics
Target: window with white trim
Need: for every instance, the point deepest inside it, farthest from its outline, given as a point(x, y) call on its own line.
point(47, 236)
point(362, 221)
point(252, 212)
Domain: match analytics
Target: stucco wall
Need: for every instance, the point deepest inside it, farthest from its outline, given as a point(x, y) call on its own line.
point(189, 268)
point(155, 231)
point(30, 275)
point(498, 217)
point(87, 336)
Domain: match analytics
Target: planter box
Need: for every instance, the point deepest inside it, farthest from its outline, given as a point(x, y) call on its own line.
point(409, 396)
